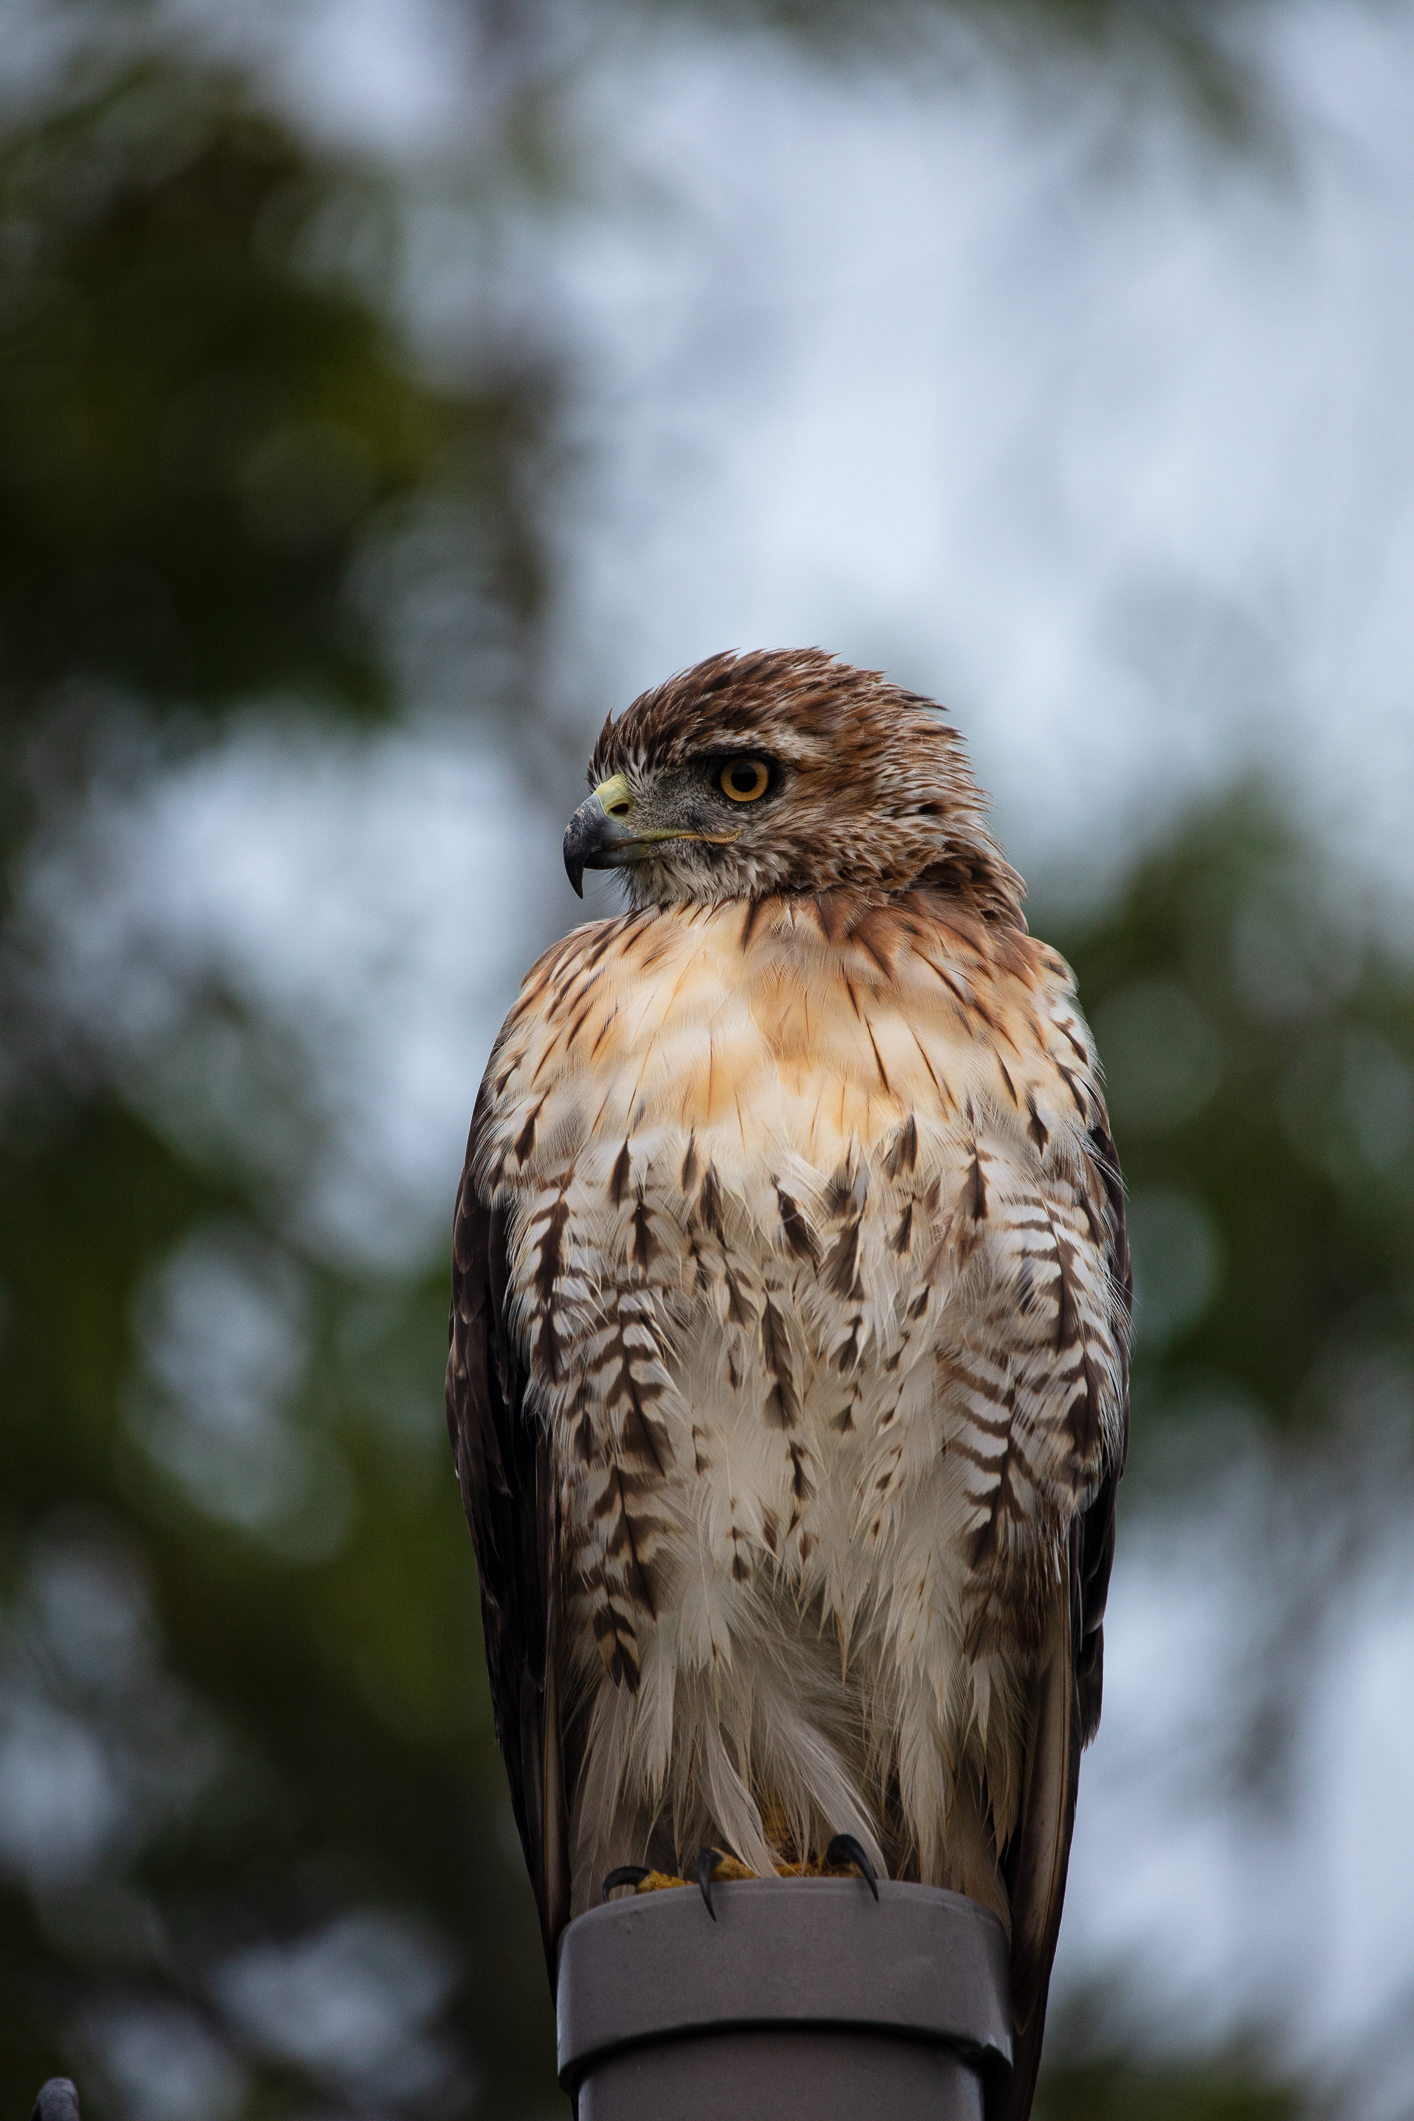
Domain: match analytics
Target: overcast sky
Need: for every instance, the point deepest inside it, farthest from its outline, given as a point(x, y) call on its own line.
point(1106, 441)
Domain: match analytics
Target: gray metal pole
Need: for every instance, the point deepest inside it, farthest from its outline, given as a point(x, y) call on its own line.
point(804, 1998)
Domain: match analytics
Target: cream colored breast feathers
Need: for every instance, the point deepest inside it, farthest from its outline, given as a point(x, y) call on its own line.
point(806, 1250)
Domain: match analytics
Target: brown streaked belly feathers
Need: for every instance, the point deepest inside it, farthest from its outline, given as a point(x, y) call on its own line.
point(814, 1260)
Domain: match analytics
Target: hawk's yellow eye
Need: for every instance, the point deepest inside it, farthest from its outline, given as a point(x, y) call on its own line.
point(745, 779)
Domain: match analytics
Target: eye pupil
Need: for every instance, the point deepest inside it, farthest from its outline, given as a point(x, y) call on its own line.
point(744, 780)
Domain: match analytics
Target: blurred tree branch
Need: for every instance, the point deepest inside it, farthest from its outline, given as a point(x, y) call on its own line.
point(197, 429)
point(1194, 57)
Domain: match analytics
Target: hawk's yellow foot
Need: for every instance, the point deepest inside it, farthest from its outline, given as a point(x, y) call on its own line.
point(644, 1880)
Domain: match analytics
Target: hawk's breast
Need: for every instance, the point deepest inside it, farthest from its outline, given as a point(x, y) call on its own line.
point(768, 1172)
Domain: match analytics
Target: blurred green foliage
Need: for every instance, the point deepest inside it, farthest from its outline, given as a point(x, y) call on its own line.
point(204, 418)
point(204, 425)
point(1111, 2089)
point(1258, 1043)
point(245, 1759)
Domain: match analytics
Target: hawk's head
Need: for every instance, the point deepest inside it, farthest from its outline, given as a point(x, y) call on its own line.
point(785, 771)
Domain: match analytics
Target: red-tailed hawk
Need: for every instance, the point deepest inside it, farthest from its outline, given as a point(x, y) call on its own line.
point(790, 1325)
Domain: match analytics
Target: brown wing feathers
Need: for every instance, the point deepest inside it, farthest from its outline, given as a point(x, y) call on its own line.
point(1066, 1718)
point(509, 1505)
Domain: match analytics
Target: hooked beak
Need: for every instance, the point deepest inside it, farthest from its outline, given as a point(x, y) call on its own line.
point(602, 834)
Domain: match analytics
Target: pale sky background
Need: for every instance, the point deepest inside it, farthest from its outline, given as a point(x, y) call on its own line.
point(1117, 462)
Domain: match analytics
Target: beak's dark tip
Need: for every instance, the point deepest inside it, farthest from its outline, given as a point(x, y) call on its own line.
point(583, 843)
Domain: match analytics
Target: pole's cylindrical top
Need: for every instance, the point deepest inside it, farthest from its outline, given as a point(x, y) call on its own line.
point(805, 1996)
point(58, 2101)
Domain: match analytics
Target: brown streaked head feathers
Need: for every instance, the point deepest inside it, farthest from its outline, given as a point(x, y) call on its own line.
point(870, 788)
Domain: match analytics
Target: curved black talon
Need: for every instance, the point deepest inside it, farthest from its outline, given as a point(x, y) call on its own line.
point(706, 1863)
point(626, 1874)
point(845, 1849)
